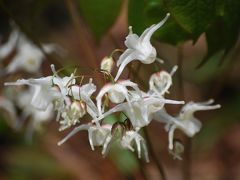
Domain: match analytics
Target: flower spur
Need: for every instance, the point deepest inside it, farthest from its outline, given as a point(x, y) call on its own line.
point(185, 121)
point(139, 48)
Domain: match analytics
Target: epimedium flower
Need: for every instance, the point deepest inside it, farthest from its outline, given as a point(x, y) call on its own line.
point(38, 117)
point(105, 134)
point(160, 82)
point(80, 105)
point(139, 48)
point(97, 135)
point(117, 93)
point(71, 114)
point(140, 111)
point(28, 56)
point(133, 136)
point(45, 91)
point(21, 100)
point(83, 93)
point(185, 120)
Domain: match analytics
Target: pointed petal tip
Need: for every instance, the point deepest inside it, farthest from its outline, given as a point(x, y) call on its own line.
point(218, 106)
point(59, 143)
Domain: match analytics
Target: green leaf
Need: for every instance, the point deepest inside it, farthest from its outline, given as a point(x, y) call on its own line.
point(142, 14)
point(192, 15)
point(136, 15)
point(99, 15)
point(172, 33)
point(224, 32)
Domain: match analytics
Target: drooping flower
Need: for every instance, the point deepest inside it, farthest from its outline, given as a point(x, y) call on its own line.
point(140, 111)
point(38, 117)
point(185, 121)
point(22, 101)
point(71, 114)
point(28, 56)
point(132, 136)
point(160, 82)
point(139, 48)
point(81, 104)
point(84, 93)
point(43, 92)
point(44, 89)
point(97, 135)
point(117, 93)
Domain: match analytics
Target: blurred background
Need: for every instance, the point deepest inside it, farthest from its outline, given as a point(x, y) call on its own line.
point(201, 37)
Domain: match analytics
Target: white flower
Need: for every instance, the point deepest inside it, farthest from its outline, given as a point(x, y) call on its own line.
point(84, 93)
point(22, 100)
point(37, 117)
point(117, 93)
point(140, 111)
point(160, 82)
point(71, 115)
point(62, 83)
point(97, 135)
point(185, 121)
point(81, 103)
point(44, 91)
point(139, 48)
point(29, 57)
point(127, 141)
point(43, 94)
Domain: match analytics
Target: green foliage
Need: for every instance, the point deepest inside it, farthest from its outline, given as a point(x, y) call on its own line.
point(219, 19)
point(99, 15)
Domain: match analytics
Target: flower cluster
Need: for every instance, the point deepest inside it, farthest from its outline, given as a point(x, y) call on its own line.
point(24, 57)
point(29, 57)
point(73, 100)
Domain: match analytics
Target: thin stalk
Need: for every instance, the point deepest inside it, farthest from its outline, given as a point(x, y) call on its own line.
point(186, 169)
point(154, 157)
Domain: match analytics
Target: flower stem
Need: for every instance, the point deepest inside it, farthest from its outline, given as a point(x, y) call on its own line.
point(154, 157)
point(186, 168)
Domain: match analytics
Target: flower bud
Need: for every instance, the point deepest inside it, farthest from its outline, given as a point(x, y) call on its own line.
point(107, 64)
